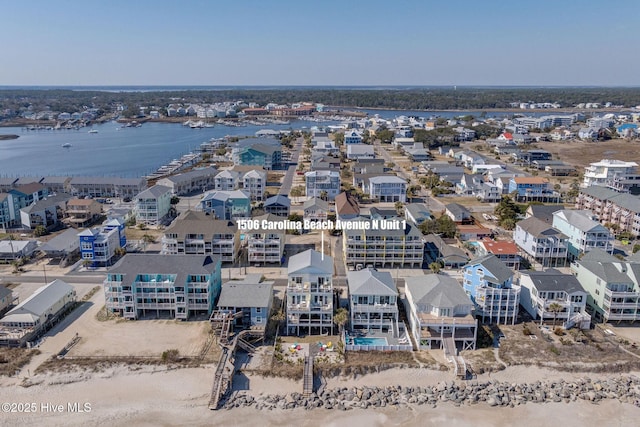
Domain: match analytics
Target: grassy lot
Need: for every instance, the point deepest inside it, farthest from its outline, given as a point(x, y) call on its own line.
point(12, 359)
point(574, 351)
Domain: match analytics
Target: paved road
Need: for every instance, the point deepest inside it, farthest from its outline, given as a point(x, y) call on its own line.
point(71, 278)
point(285, 188)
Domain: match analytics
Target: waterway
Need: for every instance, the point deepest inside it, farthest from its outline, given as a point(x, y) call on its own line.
point(134, 152)
point(113, 151)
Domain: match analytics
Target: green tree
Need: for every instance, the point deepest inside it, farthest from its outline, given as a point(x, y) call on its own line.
point(338, 138)
point(435, 267)
point(507, 212)
point(385, 135)
point(340, 318)
point(175, 200)
point(446, 226)
point(40, 231)
point(555, 308)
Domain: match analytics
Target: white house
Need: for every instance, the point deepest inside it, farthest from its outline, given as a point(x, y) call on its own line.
point(372, 300)
point(388, 188)
point(542, 291)
point(309, 295)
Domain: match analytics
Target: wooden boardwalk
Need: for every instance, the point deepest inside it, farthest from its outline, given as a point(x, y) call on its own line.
point(307, 379)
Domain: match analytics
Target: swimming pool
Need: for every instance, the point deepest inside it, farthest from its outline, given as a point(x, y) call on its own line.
point(369, 341)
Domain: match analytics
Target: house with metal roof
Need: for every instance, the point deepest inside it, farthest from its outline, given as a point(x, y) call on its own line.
point(439, 313)
point(31, 317)
point(309, 294)
point(174, 286)
point(63, 245)
point(489, 284)
point(360, 151)
point(252, 297)
point(198, 233)
point(554, 296)
point(11, 250)
point(373, 300)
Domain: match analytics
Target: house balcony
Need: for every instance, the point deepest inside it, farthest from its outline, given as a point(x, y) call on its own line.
point(428, 320)
point(309, 287)
point(155, 306)
point(374, 308)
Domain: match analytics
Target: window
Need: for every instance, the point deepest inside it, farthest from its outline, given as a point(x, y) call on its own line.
point(259, 319)
point(259, 310)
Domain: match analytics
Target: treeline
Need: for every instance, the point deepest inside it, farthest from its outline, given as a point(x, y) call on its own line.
point(463, 98)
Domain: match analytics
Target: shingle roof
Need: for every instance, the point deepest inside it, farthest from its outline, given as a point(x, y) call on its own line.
point(50, 201)
point(279, 199)
point(554, 280)
point(493, 266)
point(249, 292)
point(371, 282)
point(196, 222)
point(538, 228)
point(317, 202)
point(436, 290)
point(346, 204)
point(131, 265)
point(457, 210)
point(544, 212)
point(448, 252)
point(154, 192)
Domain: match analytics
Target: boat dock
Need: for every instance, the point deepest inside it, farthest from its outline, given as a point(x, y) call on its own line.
point(176, 165)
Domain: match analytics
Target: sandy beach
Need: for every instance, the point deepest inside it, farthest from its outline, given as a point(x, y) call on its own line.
point(155, 396)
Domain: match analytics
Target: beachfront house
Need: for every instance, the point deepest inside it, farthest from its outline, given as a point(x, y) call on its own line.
point(554, 296)
point(250, 296)
point(309, 294)
point(613, 286)
point(489, 284)
point(372, 300)
point(388, 188)
point(439, 310)
point(151, 285)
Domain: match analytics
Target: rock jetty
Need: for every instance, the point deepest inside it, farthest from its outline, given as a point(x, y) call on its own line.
point(625, 389)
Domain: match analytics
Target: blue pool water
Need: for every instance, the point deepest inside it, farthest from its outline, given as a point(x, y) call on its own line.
point(370, 341)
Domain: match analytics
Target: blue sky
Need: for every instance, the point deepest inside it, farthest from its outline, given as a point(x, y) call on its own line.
point(326, 42)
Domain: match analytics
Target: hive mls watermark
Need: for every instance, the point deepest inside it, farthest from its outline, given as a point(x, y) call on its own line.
point(306, 225)
point(45, 407)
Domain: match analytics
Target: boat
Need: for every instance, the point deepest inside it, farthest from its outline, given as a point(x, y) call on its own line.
point(66, 145)
point(93, 131)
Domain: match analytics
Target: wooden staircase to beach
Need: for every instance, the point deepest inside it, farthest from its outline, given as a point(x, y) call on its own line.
point(307, 379)
point(451, 354)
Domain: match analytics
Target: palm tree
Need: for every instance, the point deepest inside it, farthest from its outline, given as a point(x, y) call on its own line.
point(435, 267)
point(399, 206)
point(340, 318)
point(555, 308)
point(324, 195)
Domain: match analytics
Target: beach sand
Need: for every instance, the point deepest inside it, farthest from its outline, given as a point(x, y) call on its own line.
point(120, 397)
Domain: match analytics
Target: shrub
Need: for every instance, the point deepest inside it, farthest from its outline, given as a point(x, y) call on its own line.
point(169, 356)
point(559, 331)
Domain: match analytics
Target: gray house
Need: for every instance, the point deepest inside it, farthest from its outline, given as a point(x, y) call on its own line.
point(251, 297)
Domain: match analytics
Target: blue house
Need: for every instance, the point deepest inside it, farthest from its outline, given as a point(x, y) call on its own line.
point(627, 129)
point(489, 284)
point(266, 155)
point(227, 204)
point(99, 245)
